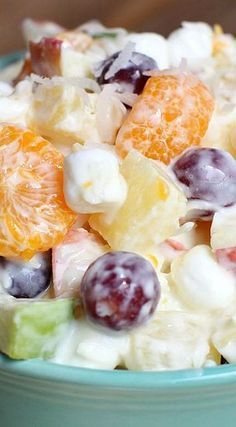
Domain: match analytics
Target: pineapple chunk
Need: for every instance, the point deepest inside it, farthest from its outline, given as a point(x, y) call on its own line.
point(62, 111)
point(65, 113)
point(151, 211)
point(171, 340)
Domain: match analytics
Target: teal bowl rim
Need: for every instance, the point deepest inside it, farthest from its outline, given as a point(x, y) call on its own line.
point(44, 370)
point(11, 58)
point(188, 378)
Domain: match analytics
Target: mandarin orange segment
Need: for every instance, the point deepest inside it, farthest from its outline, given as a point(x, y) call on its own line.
point(171, 115)
point(33, 213)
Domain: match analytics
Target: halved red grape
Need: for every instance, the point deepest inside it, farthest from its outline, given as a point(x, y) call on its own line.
point(207, 174)
point(120, 290)
point(26, 279)
point(130, 76)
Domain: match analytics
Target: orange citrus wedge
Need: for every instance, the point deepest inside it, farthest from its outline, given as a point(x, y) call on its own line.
point(171, 115)
point(33, 213)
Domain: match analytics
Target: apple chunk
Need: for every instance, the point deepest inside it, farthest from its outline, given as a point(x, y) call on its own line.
point(32, 329)
point(45, 56)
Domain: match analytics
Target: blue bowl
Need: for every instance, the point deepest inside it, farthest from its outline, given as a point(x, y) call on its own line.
point(41, 394)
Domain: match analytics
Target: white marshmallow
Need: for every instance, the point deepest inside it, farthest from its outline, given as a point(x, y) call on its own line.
point(193, 41)
point(201, 282)
point(153, 45)
point(92, 181)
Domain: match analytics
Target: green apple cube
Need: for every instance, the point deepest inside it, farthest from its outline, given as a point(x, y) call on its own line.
point(32, 329)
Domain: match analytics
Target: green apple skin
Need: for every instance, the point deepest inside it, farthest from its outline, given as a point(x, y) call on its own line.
point(33, 328)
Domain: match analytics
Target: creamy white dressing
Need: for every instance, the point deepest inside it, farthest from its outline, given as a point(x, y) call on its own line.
point(88, 347)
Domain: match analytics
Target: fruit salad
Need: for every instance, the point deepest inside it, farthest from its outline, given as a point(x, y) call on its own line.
point(118, 198)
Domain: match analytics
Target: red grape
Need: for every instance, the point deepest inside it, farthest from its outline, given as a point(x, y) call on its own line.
point(130, 76)
point(120, 290)
point(207, 174)
point(27, 279)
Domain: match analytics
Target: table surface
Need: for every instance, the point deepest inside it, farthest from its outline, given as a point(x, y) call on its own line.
point(157, 15)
